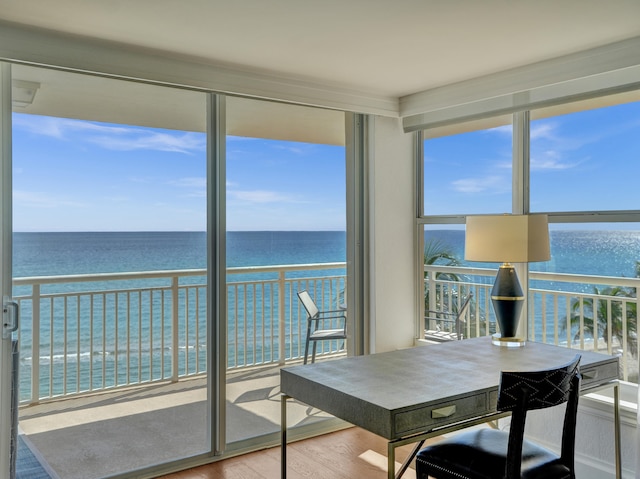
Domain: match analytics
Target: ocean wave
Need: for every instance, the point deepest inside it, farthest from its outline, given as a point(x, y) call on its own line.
point(72, 357)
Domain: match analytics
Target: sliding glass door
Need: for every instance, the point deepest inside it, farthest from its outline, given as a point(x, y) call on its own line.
point(286, 232)
point(110, 270)
point(7, 343)
point(141, 344)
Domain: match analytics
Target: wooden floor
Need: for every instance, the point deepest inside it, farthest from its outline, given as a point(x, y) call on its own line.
point(345, 454)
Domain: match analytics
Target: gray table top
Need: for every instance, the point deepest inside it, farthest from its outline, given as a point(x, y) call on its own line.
point(377, 387)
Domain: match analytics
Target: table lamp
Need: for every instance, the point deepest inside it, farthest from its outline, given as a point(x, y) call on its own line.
point(507, 239)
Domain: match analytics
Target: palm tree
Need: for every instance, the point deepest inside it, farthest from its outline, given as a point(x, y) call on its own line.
point(437, 252)
point(600, 324)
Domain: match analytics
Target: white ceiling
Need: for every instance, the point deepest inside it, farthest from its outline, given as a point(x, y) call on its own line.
point(389, 48)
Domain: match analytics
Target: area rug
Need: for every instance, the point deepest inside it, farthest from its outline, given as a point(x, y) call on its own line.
point(29, 463)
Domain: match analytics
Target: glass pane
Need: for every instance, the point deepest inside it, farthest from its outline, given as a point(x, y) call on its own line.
point(286, 221)
point(469, 172)
point(587, 160)
point(593, 303)
point(601, 249)
point(449, 278)
point(110, 271)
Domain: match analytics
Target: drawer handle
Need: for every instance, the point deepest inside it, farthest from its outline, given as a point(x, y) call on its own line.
point(591, 374)
point(442, 412)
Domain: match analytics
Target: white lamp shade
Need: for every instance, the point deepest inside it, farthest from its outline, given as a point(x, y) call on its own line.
point(507, 238)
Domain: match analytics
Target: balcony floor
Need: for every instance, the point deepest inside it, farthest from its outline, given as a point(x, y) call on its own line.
point(108, 433)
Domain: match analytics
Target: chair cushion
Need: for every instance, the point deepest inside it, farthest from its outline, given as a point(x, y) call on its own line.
point(439, 336)
point(481, 454)
point(328, 334)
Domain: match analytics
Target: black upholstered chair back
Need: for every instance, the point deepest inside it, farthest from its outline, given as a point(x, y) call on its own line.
point(497, 454)
point(520, 392)
point(536, 389)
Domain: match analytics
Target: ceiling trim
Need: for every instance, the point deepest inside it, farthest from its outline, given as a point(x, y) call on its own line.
point(606, 69)
point(50, 49)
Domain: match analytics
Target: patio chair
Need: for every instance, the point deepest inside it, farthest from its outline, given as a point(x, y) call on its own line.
point(448, 326)
point(484, 453)
point(316, 321)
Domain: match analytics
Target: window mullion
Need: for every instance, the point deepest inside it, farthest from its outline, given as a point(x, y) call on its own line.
point(520, 199)
point(521, 163)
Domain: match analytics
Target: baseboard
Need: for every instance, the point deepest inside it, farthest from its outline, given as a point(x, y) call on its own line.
point(588, 468)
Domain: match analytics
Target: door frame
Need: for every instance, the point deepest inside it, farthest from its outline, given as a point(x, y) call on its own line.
point(6, 227)
point(216, 272)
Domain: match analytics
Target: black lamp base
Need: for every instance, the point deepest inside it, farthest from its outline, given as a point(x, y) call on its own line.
point(507, 299)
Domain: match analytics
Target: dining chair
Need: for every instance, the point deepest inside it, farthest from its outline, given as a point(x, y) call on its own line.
point(495, 454)
point(448, 326)
point(317, 321)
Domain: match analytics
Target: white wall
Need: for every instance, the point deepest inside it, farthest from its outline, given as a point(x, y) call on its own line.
point(595, 443)
point(392, 237)
point(393, 306)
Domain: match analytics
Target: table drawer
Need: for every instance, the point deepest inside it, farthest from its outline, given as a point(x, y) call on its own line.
point(425, 418)
point(595, 375)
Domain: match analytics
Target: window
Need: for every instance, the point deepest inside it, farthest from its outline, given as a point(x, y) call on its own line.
point(584, 161)
point(587, 160)
point(468, 170)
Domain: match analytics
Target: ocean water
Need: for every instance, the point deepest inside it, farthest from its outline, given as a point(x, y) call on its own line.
point(135, 352)
point(50, 254)
point(45, 254)
point(599, 253)
point(590, 252)
point(602, 253)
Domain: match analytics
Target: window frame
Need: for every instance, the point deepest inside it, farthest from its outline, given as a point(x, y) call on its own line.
point(520, 203)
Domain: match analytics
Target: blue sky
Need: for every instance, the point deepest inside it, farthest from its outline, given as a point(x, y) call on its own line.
point(584, 161)
point(72, 175)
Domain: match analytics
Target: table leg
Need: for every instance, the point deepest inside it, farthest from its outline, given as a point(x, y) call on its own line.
point(391, 461)
point(410, 457)
point(283, 436)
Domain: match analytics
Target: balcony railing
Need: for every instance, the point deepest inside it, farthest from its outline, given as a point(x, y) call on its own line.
point(87, 333)
point(577, 311)
point(91, 333)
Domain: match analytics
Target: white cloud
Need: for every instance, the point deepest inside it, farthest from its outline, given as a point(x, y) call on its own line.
point(196, 186)
point(141, 179)
point(479, 185)
point(149, 140)
point(117, 199)
point(542, 131)
point(112, 137)
point(41, 125)
point(43, 200)
point(190, 182)
point(503, 130)
point(551, 160)
point(298, 150)
point(260, 196)
point(549, 151)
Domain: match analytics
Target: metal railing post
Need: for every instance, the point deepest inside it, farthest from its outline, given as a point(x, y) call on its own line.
point(281, 317)
point(432, 290)
point(175, 333)
point(282, 314)
point(35, 344)
point(283, 290)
